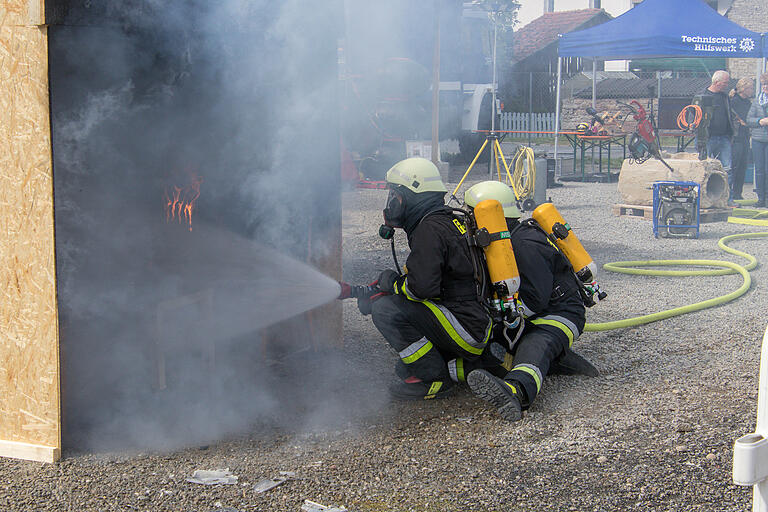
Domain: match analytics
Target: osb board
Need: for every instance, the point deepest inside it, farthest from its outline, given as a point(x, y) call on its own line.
point(29, 359)
point(29, 451)
point(22, 12)
point(326, 320)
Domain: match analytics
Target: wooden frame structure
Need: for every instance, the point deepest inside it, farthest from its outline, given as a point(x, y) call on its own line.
point(30, 412)
point(30, 368)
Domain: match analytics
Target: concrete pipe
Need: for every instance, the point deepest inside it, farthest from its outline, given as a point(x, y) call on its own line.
point(636, 180)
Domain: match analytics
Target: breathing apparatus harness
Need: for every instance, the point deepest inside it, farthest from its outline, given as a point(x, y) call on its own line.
point(585, 285)
point(500, 301)
point(464, 221)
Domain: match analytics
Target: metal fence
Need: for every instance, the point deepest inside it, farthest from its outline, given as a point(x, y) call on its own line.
point(637, 87)
point(529, 91)
point(536, 92)
point(528, 122)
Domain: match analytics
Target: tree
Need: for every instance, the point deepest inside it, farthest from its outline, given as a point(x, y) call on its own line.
point(501, 12)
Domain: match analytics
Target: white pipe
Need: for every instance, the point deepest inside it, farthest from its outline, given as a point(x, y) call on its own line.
point(493, 106)
point(557, 107)
point(436, 89)
point(750, 452)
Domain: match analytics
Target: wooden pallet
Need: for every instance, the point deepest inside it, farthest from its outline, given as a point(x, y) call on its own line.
point(646, 212)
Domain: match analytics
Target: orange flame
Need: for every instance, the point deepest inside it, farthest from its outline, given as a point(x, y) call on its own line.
point(180, 201)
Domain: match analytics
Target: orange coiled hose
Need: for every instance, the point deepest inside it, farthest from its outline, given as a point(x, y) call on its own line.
point(682, 118)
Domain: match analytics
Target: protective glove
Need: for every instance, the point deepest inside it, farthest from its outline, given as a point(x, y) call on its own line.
point(365, 303)
point(387, 280)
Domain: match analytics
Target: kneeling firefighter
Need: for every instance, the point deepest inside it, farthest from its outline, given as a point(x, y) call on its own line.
point(434, 312)
point(550, 307)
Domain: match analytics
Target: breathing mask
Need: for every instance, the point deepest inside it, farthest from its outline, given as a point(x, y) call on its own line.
point(394, 212)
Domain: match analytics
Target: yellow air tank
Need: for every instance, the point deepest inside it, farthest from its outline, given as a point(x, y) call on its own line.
point(550, 220)
point(502, 266)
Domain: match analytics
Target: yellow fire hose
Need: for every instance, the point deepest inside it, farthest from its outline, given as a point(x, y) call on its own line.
point(726, 268)
point(523, 182)
point(749, 216)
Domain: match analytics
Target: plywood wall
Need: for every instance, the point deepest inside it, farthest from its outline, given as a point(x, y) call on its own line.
point(30, 422)
point(22, 13)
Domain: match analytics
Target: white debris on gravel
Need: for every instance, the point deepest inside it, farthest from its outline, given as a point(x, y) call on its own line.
point(213, 477)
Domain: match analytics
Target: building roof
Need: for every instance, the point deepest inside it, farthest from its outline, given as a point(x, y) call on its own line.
point(544, 30)
point(646, 88)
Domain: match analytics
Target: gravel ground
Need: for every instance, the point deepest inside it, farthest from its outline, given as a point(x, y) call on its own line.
point(653, 432)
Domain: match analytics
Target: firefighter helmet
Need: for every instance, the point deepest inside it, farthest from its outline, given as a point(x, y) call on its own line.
point(493, 190)
point(417, 175)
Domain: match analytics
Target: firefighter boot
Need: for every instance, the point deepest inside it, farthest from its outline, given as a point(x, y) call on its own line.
point(401, 370)
point(501, 354)
point(493, 359)
point(502, 394)
point(571, 363)
point(414, 388)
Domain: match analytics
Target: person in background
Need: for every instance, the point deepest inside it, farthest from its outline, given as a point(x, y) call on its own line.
point(741, 101)
point(720, 124)
point(757, 121)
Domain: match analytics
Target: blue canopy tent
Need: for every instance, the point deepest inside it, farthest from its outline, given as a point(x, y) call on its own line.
point(661, 28)
point(664, 28)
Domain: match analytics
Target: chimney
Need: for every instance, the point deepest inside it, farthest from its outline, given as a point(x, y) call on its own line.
point(549, 6)
point(595, 4)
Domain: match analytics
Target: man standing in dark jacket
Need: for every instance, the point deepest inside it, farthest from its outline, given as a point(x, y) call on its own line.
point(433, 313)
point(741, 101)
point(552, 308)
point(720, 127)
point(757, 120)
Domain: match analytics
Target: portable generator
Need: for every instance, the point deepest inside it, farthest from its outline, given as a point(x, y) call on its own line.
point(676, 209)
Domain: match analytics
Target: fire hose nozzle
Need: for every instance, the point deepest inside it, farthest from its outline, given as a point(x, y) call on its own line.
point(366, 295)
point(345, 292)
point(351, 291)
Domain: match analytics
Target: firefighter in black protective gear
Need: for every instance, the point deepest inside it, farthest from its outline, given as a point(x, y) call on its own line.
point(553, 313)
point(433, 313)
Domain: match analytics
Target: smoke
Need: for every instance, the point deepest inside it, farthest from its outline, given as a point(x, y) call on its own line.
point(177, 331)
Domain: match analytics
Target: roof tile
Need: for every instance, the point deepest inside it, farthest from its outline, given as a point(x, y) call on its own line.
point(544, 30)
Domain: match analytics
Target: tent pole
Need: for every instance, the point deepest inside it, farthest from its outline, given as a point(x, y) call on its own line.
point(557, 107)
point(436, 88)
point(594, 84)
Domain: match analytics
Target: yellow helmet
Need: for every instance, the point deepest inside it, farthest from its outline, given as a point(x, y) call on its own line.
point(582, 127)
point(493, 190)
point(417, 175)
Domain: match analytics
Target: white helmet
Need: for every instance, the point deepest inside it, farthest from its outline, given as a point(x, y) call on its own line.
point(493, 190)
point(417, 175)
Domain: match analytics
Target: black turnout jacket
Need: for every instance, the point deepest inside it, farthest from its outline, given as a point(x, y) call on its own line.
point(439, 268)
point(547, 283)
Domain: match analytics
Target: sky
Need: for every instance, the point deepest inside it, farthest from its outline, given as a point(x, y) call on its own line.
point(532, 9)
